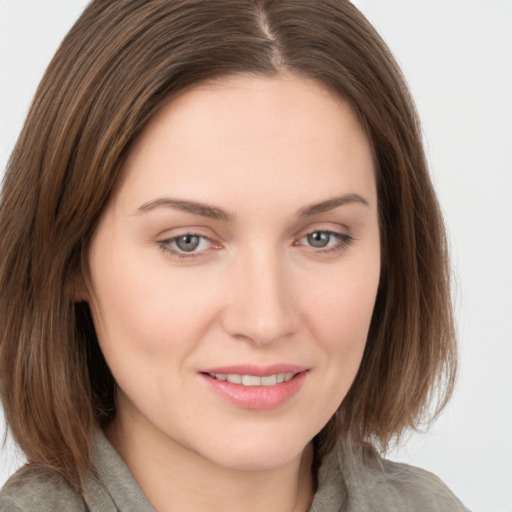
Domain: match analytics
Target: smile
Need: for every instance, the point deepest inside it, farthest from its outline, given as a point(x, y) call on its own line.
point(253, 380)
point(256, 388)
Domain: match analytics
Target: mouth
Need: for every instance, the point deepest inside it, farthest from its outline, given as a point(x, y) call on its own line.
point(253, 380)
point(256, 388)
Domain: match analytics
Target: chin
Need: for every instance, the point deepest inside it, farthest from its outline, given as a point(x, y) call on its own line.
point(261, 454)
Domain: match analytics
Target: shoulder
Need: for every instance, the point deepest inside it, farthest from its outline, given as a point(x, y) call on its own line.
point(35, 489)
point(372, 483)
point(419, 489)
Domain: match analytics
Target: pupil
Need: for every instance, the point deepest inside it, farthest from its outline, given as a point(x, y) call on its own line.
point(187, 243)
point(318, 239)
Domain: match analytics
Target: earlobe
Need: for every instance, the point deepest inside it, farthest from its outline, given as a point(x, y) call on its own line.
point(78, 289)
point(82, 296)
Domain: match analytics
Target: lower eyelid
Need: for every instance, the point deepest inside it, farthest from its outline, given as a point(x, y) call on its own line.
point(168, 246)
point(343, 238)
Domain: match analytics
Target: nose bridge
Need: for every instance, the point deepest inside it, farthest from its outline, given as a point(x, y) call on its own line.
point(261, 306)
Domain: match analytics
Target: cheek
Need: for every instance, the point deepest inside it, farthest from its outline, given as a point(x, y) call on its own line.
point(148, 323)
point(337, 309)
point(136, 303)
point(340, 306)
point(339, 315)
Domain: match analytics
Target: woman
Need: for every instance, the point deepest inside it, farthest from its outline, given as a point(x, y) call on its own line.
point(224, 274)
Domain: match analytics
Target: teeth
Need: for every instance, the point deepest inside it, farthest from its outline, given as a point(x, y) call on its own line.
point(253, 380)
point(271, 380)
point(250, 380)
point(235, 379)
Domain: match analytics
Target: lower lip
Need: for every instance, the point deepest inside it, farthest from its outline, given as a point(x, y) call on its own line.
point(256, 397)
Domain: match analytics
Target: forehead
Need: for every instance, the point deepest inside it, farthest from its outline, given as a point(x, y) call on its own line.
point(243, 133)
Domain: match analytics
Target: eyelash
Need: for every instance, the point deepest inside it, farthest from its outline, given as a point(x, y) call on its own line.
point(343, 239)
point(165, 246)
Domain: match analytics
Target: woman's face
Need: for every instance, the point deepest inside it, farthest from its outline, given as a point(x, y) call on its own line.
point(234, 272)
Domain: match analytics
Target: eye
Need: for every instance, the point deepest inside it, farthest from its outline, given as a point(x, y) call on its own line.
point(319, 239)
point(187, 245)
point(326, 240)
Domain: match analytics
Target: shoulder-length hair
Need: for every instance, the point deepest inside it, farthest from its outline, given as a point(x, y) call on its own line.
point(121, 61)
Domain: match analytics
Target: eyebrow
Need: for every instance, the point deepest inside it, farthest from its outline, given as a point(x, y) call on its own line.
point(201, 209)
point(331, 204)
point(213, 212)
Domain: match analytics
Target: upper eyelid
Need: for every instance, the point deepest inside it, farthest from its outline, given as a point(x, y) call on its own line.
point(342, 237)
point(171, 239)
point(173, 233)
point(324, 229)
point(186, 233)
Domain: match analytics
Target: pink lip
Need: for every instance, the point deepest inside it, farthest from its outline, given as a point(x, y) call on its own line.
point(256, 397)
point(257, 371)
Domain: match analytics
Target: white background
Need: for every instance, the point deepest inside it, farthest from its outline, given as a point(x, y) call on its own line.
point(457, 57)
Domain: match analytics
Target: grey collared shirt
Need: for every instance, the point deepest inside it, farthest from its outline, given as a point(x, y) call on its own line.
point(355, 483)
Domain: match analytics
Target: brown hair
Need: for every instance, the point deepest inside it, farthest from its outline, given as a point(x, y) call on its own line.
point(119, 64)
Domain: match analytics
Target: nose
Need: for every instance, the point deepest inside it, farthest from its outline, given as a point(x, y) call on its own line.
point(261, 306)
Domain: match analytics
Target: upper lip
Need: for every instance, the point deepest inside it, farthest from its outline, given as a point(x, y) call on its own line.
point(257, 371)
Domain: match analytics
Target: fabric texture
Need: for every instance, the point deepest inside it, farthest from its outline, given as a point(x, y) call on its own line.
point(366, 483)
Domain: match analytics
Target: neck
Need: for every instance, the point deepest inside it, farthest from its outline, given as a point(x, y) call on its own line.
point(174, 478)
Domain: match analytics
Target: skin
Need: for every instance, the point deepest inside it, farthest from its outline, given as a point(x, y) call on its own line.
point(255, 290)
